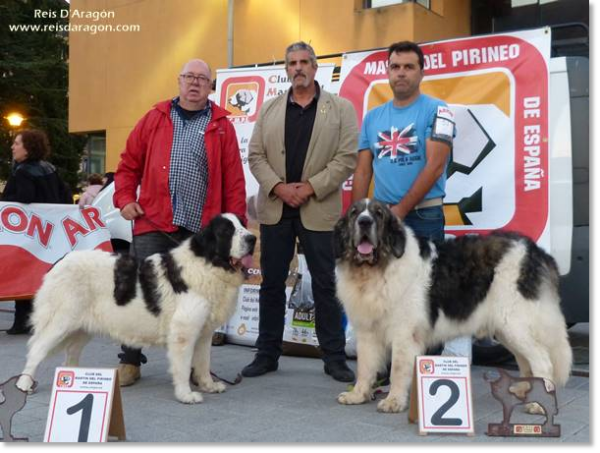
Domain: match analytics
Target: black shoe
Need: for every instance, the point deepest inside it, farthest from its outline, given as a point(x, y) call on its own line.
point(339, 371)
point(259, 366)
point(19, 329)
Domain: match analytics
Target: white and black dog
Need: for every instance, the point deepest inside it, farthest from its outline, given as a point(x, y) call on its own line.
point(175, 299)
point(403, 294)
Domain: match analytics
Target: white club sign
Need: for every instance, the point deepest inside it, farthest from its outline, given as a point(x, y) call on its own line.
point(444, 394)
point(85, 406)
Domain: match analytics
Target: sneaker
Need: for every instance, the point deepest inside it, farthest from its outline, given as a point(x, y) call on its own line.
point(339, 371)
point(259, 366)
point(128, 374)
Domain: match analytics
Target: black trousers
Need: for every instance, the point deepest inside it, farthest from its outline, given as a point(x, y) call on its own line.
point(277, 250)
point(141, 248)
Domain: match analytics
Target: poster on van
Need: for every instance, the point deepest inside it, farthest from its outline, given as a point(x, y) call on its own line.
point(497, 87)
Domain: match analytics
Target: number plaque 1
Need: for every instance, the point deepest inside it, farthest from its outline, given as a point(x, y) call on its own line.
point(442, 400)
point(85, 406)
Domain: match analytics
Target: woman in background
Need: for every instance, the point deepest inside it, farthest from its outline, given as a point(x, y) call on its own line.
point(32, 180)
point(93, 188)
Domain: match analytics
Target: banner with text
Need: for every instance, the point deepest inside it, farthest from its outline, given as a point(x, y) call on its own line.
point(35, 236)
point(497, 86)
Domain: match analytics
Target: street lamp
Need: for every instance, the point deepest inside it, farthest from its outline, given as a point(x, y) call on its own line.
point(15, 119)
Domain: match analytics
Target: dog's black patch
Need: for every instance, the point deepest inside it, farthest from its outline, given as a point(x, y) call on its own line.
point(341, 237)
point(213, 243)
point(463, 272)
point(424, 247)
point(173, 273)
point(395, 236)
point(535, 266)
point(125, 276)
point(149, 284)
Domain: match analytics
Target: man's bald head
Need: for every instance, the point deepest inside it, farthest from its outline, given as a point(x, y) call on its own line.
point(195, 84)
point(197, 66)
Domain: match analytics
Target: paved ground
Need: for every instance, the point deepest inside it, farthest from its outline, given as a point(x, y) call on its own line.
point(295, 404)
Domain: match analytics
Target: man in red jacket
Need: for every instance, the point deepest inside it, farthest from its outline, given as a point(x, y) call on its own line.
point(184, 157)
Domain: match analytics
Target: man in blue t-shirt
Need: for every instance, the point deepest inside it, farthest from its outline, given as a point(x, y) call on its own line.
point(405, 143)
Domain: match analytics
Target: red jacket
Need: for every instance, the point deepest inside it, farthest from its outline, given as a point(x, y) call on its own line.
point(147, 159)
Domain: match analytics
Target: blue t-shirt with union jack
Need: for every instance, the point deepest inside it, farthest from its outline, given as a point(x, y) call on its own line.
point(396, 137)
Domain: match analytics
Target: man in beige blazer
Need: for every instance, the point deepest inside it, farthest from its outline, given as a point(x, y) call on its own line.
point(302, 149)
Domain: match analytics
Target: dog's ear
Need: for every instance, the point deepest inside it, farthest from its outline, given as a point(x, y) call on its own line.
point(340, 237)
point(204, 243)
point(396, 235)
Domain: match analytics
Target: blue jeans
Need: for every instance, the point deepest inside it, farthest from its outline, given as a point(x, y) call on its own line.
point(427, 222)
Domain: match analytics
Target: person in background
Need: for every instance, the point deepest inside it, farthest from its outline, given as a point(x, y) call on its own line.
point(94, 187)
point(184, 157)
point(32, 180)
point(107, 179)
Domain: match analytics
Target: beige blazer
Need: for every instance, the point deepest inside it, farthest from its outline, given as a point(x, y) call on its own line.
point(330, 159)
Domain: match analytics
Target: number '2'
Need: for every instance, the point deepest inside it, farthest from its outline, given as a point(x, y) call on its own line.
point(438, 418)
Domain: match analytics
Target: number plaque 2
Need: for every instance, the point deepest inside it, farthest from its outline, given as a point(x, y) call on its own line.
point(85, 406)
point(441, 395)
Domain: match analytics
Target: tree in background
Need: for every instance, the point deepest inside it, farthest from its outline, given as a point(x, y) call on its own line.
point(34, 82)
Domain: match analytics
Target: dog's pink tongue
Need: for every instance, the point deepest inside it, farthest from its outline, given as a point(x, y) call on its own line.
point(365, 247)
point(247, 261)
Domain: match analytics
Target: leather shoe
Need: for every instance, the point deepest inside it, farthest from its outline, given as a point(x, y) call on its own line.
point(19, 330)
point(128, 374)
point(259, 366)
point(339, 371)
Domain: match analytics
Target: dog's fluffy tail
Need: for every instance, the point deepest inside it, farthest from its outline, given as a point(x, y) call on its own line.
point(561, 356)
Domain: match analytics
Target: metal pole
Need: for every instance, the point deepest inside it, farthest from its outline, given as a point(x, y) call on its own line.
point(230, 33)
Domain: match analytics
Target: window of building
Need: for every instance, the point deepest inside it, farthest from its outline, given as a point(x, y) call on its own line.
point(517, 3)
point(382, 3)
point(568, 19)
point(94, 160)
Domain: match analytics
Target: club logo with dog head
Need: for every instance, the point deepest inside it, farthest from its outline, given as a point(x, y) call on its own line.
point(243, 96)
point(65, 379)
point(427, 366)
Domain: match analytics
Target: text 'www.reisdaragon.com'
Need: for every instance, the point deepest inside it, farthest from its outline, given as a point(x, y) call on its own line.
point(79, 28)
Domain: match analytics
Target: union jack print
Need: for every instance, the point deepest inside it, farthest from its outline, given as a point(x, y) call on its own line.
point(393, 142)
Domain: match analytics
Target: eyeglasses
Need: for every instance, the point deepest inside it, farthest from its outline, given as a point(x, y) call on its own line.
point(190, 78)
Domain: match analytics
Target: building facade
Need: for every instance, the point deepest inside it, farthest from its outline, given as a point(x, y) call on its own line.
point(116, 76)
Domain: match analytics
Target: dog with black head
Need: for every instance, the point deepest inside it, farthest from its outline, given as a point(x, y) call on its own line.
point(175, 299)
point(403, 294)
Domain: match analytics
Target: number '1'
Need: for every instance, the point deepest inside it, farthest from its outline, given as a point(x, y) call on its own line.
point(85, 406)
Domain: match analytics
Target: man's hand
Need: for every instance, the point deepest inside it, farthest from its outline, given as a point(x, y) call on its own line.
point(398, 211)
point(132, 211)
point(294, 194)
point(305, 190)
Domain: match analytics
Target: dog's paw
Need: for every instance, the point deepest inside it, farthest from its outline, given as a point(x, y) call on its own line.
point(213, 387)
point(26, 384)
point(390, 406)
point(352, 398)
point(189, 397)
point(534, 408)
